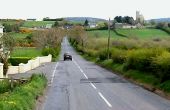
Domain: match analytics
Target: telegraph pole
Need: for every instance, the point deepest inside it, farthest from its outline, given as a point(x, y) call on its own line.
point(108, 46)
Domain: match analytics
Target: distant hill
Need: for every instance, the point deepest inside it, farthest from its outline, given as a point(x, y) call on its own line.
point(161, 20)
point(82, 19)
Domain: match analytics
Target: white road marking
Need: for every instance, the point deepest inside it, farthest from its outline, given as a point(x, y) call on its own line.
point(93, 86)
point(100, 94)
point(107, 102)
point(80, 69)
point(53, 75)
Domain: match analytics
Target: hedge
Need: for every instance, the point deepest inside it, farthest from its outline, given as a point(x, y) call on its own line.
point(15, 61)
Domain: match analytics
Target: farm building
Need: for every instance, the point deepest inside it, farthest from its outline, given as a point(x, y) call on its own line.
point(92, 25)
point(124, 25)
point(31, 19)
point(48, 26)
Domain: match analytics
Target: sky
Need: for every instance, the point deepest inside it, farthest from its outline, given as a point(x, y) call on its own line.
point(83, 8)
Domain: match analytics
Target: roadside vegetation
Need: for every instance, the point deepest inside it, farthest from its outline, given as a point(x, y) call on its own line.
point(146, 61)
point(22, 43)
point(22, 96)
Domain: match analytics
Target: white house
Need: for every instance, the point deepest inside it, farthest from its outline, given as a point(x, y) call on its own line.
point(92, 25)
point(1, 30)
point(124, 26)
point(48, 26)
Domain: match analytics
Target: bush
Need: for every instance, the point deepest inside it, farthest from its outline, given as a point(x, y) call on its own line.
point(165, 86)
point(53, 51)
point(141, 59)
point(24, 97)
point(118, 55)
point(91, 52)
point(103, 54)
point(162, 66)
point(15, 61)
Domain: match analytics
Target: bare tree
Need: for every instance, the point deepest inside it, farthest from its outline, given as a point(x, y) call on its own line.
point(48, 38)
point(79, 34)
point(7, 46)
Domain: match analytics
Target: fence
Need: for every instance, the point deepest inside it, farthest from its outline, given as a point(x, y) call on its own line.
point(22, 68)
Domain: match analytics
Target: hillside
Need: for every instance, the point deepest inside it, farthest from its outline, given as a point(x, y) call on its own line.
point(82, 19)
point(161, 20)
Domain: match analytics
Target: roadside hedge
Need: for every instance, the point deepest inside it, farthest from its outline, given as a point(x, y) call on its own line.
point(141, 59)
point(53, 51)
point(118, 55)
point(15, 61)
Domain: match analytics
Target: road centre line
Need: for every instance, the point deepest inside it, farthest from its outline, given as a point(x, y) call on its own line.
point(106, 101)
point(93, 86)
point(99, 93)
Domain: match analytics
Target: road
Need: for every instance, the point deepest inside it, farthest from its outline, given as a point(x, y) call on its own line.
point(82, 85)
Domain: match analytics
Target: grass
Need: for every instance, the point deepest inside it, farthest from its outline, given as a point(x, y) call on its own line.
point(26, 52)
point(144, 33)
point(18, 35)
point(102, 34)
point(24, 96)
point(131, 33)
point(31, 24)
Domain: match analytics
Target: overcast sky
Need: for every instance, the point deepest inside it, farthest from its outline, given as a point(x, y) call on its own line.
point(83, 8)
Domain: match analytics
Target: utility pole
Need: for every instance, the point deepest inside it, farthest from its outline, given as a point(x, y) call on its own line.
point(108, 46)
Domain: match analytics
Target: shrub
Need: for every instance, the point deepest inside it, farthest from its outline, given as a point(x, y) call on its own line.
point(53, 51)
point(103, 54)
point(141, 59)
point(162, 66)
point(165, 86)
point(91, 52)
point(15, 61)
point(118, 55)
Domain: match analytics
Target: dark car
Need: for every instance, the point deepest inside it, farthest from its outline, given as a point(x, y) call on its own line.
point(67, 56)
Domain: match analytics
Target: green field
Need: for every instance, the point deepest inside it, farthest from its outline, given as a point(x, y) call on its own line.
point(31, 24)
point(102, 33)
point(18, 35)
point(26, 52)
point(144, 33)
point(132, 33)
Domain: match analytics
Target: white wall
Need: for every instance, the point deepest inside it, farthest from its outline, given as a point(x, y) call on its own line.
point(22, 68)
point(1, 31)
point(1, 70)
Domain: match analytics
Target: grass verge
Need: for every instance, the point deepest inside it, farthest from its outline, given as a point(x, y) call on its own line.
point(24, 97)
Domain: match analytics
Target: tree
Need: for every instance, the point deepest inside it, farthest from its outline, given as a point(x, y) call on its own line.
point(125, 19)
point(79, 34)
point(86, 23)
point(10, 28)
point(7, 45)
point(50, 38)
point(56, 24)
point(118, 19)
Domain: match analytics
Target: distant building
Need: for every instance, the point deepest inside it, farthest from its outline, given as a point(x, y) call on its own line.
point(1, 30)
point(139, 18)
point(124, 26)
point(48, 26)
point(92, 25)
point(31, 19)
